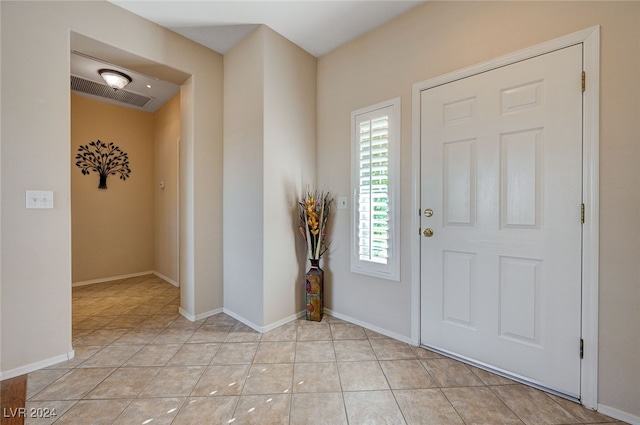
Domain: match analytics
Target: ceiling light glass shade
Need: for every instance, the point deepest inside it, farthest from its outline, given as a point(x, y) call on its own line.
point(114, 79)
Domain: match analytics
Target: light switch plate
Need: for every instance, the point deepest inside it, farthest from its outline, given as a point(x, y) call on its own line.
point(39, 199)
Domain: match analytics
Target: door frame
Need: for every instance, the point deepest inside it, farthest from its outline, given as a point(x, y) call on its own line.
point(590, 40)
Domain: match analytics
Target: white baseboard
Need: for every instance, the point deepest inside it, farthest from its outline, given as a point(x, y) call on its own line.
point(37, 365)
point(267, 328)
point(163, 277)
point(242, 320)
point(619, 414)
point(370, 327)
point(108, 279)
point(126, 276)
point(200, 316)
point(281, 322)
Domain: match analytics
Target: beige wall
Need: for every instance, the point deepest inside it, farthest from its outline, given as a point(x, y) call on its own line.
point(269, 154)
point(243, 175)
point(439, 37)
point(112, 230)
point(35, 152)
point(290, 164)
point(166, 135)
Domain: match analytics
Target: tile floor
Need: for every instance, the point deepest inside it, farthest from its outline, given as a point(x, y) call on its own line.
point(139, 362)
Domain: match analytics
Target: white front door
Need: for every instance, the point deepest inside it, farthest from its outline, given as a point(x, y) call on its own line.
point(501, 169)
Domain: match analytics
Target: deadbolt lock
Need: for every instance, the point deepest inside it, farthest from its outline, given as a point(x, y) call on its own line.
point(428, 232)
point(428, 212)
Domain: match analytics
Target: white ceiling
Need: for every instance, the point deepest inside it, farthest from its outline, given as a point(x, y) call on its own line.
point(317, 26)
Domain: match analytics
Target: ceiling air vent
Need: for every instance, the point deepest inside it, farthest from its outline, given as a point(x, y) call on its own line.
point(96, 89)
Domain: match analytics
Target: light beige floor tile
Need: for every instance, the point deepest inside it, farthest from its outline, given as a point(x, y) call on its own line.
point(315, 351)
point(269, 379)
point(159, 321)
point(353, 350)
point(346, 331)
point(286, 332)
point(361, 376)
point(129, 321)
point(220, 380)
point(235, 353)
point(79, 301)
point(94, 322)
point(331, 319)
point(79, 334)
point(90, 309)
point(153, 355)
point(406, 374)
point(490, 378)
point(532, 406)
point(45, 412)
point(210, 333)
point(243, 333)
point(173, 336)
point(74, 385)
point(372, 407)
point(263, 409)
point(313, 331)
point(125, 382)
point(137, 336)
point(101, 337)
point(317, 409)
point(221, 320)
point(81, 354)
point(252, 377)
point(148, 309)
point(426, 407)
point(206, 410)
point(451, 373)
point(94, 412)
point(275, 352)
point(111, 356)
point(423, 353)
point(316, 378)
point(374, 335)
point(184, 323)
point(194, 355)
point(173, 382)
point(156, 411)
point(582, 413)
point(390, 349)
point(116, 310)
point(480, 406)
point(172, 308)
point(40, 379)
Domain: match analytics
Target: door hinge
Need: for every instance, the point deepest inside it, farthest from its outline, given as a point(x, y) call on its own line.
point(420, 230)
point(581, 348)
point(582, 213)
point(584, 81)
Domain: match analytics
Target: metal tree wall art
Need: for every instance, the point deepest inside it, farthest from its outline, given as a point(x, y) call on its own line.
point(104, 159)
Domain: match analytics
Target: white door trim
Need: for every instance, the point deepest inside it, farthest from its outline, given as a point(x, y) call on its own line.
point(590, 39)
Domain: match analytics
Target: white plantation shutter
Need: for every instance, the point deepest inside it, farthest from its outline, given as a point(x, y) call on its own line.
point(373, 190)
point(375, 243)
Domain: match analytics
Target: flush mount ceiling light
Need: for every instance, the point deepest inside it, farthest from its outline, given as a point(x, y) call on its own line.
point(114, 79)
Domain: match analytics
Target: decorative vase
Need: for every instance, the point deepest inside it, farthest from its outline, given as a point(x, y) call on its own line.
point(315, 287)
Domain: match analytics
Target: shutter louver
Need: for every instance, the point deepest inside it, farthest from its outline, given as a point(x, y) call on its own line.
point(373, 190)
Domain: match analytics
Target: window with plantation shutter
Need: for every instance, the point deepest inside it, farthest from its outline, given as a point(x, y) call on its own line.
point(375, 242)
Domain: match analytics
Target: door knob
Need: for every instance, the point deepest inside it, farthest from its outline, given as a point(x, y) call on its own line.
point(428, 212)
point(428, 232)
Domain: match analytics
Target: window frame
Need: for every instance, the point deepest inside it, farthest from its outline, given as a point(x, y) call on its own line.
point(390, 270)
